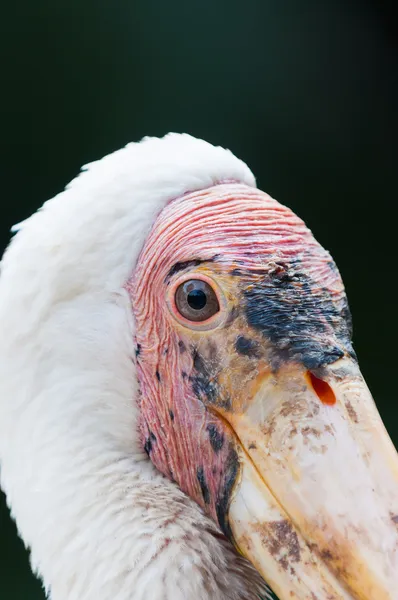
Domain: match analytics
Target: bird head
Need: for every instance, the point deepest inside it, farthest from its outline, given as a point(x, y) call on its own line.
point(246, 391)
point(251, 396)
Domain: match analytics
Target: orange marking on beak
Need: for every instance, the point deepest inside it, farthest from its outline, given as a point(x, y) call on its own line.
point(322, 390)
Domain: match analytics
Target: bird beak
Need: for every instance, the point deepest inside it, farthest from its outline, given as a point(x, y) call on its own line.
point(315, 508)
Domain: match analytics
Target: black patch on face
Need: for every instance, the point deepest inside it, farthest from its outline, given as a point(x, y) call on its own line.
point(148, 446)
point(171, 415)
point(204, 389)
point(158, 375)
point(203, 485)
point(188, 264)
point(152, 436)
point(247, 347)
point(181, 266)
point(300, 319)
point(216, 438)
point(138, 350)
point(198, 362)
point(222, 504)
point(204, 383)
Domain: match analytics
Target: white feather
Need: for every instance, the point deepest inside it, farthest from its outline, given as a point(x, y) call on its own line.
point(100, 521)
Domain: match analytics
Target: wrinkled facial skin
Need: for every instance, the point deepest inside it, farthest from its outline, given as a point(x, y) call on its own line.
point(283, 300)
point(238, 388)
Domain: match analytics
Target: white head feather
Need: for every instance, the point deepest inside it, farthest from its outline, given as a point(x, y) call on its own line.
point(100, 521)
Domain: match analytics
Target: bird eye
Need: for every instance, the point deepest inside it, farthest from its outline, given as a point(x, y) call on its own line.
point(196, 300)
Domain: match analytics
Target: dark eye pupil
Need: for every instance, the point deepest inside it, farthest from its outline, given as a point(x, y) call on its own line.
point(197, 299)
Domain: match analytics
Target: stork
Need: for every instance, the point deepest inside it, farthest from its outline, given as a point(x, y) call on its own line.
point(182, 416)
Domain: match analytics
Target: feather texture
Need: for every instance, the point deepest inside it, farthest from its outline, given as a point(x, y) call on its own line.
point(100, 521)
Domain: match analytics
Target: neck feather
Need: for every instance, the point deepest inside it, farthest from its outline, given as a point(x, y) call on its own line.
point(100, 521)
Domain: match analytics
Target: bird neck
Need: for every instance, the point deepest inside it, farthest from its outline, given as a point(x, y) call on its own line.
point(71, 461)
point(100, 521)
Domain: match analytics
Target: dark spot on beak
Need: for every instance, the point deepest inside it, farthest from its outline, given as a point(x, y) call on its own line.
point(327, 555)
point(171, 415)
point(216, 438)
point(247, 347)
point(282, 542)
point(158, 375)
point(351, 411)
point(203, 485)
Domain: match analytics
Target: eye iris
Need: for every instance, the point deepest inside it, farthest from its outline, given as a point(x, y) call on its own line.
point(197, 299)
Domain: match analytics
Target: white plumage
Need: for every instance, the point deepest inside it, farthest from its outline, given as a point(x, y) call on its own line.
point(101, 522)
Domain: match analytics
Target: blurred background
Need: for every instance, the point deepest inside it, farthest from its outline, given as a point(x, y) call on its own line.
point(304, 91)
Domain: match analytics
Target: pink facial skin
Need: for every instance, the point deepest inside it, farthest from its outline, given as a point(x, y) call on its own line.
point(281, 299)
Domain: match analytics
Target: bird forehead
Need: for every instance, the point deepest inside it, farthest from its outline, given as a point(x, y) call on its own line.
point(232, 219)
point(240, 229)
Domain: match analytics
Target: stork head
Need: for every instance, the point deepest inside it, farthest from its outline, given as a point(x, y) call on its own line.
point(247, 392)
point(251, 396)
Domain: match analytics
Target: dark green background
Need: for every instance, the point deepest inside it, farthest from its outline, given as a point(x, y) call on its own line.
point(305, 92)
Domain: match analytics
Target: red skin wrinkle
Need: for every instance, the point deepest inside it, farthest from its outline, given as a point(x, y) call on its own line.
point(244, 229)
